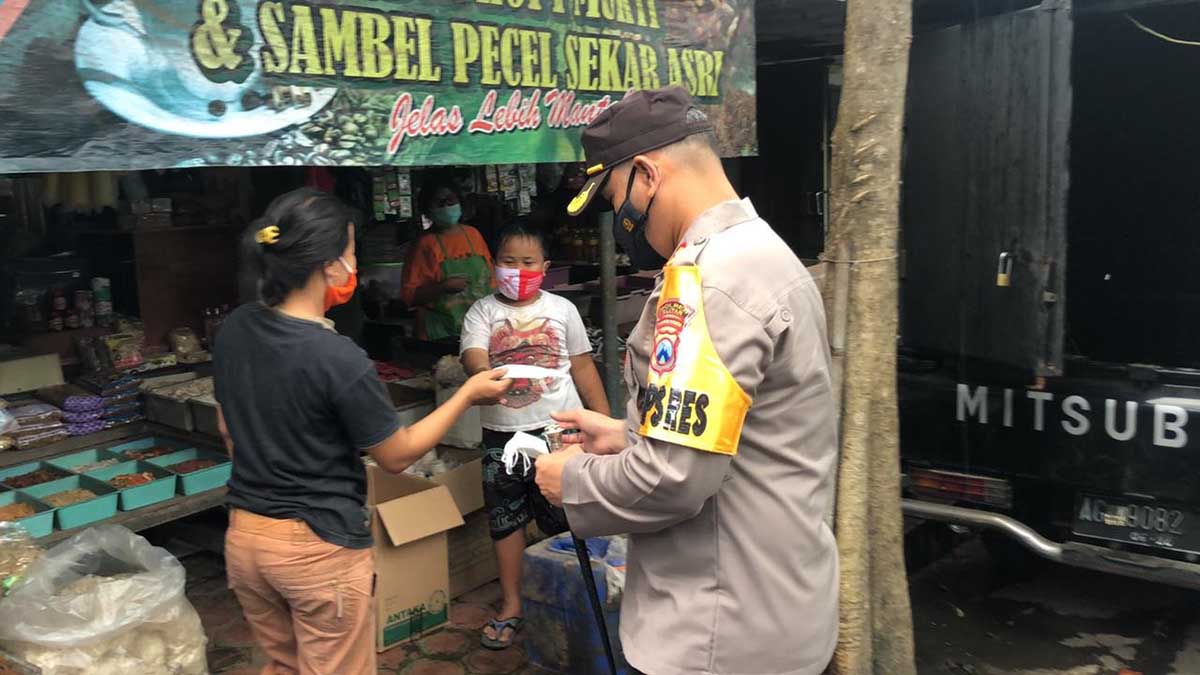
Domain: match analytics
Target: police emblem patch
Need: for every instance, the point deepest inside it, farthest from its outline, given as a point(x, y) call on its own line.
point(669, 323)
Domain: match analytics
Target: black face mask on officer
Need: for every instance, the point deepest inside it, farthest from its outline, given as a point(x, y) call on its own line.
point(629, 231)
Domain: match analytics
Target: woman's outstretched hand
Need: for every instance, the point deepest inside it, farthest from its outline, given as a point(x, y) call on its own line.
point(487, 388)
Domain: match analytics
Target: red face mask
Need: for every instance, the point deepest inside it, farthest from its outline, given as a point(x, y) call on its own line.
point(518, 285)
point(340, 295)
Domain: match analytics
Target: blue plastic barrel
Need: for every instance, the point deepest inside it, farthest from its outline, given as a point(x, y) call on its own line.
point(560, 631)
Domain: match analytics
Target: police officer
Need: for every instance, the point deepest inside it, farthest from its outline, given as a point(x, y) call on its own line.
point(722, 469)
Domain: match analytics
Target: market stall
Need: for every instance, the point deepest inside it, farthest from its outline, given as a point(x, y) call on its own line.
point(107, 379)
point(99, 362)
point(141, 138)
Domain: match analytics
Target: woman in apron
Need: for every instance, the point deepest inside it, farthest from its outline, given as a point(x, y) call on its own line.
point(449, 267)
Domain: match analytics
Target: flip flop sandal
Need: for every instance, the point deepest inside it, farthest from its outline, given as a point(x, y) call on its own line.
point(513, 624)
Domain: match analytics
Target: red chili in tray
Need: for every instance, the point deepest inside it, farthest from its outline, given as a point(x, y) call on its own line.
point(192, 465)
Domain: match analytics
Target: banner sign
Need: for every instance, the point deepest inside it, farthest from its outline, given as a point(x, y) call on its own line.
point(132, 84)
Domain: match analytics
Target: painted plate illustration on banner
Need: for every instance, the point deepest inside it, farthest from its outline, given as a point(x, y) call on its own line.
point(136, 60)
point(362, 83)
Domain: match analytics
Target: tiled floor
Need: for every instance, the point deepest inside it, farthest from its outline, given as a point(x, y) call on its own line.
point(453, 650)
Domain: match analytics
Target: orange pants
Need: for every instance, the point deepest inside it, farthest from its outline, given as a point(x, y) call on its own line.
point(308, 602)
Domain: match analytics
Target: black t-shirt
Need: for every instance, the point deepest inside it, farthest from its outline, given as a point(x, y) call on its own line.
point(300, 402)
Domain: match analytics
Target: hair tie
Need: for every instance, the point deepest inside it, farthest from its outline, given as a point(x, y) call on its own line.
point(268, 235)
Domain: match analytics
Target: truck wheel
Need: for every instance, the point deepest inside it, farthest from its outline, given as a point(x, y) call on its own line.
point(1013, 561)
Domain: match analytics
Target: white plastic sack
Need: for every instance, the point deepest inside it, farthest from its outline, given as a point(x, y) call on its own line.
point(17, 552)
point(614, 565)
point(467, 431)
point(104, 602)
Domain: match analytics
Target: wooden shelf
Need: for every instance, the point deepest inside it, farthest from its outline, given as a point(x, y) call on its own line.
point(151, 516)
point(15, 457)
point(141, 519)
point(105, 438)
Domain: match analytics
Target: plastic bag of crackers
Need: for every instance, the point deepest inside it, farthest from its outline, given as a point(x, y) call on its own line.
point(17, 553)
point(104, 602)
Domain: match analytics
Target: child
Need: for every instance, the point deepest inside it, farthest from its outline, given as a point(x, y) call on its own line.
point(522, 324)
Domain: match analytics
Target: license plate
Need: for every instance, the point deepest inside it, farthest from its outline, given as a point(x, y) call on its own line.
point(1137, 522)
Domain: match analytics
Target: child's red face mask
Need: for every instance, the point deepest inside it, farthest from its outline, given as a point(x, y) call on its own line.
point(516, 284)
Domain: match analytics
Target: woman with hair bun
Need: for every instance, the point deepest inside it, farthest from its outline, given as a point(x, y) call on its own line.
point(299, 404)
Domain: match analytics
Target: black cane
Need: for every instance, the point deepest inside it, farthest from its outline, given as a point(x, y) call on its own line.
point(585, 567)
point(553, 436)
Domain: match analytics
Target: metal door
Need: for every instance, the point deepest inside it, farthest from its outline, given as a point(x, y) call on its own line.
point(985, 188)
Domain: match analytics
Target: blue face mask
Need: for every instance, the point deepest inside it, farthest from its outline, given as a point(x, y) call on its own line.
point(446, 215)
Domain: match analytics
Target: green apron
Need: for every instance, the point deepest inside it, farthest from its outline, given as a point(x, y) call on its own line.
point(444, 319)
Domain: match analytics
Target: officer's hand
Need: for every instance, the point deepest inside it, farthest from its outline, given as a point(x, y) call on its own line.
point(598, 434)
point(550, 471)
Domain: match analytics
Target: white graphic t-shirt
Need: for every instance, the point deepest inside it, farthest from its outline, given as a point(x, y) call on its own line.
point(546, 333)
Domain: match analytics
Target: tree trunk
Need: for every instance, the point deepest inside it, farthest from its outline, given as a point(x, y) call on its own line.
point(861, 294)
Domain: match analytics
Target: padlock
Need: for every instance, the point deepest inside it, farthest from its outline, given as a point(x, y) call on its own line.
point(1004, 270)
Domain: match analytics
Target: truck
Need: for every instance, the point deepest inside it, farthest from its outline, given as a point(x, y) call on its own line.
point(1049, 375)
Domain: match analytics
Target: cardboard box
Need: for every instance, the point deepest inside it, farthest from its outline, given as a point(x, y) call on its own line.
point(409, 520)
point(465, 481)
point(24, 373)
point(472, 555)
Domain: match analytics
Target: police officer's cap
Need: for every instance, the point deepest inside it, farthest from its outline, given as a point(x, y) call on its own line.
point(641, 122)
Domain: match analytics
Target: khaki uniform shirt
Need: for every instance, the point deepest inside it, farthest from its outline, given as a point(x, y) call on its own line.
point(732, 569)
